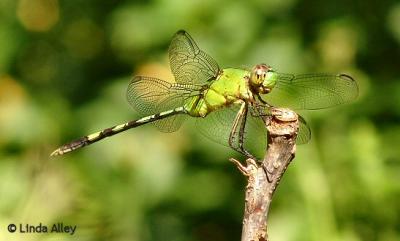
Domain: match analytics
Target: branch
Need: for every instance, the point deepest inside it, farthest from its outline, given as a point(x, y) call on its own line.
point(282, 128)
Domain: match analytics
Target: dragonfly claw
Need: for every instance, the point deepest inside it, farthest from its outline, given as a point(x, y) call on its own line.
point(248, 169)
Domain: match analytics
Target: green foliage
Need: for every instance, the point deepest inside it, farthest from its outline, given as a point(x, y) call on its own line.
point(64, 69)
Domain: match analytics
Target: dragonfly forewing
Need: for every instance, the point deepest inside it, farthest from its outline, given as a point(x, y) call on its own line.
point(312, 91)
point(189, 64)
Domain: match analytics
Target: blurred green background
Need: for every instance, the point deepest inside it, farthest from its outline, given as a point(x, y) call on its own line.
point(64, 69)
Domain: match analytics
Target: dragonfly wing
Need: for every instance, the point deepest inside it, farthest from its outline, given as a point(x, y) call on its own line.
point(312, 91)
point(217, 127)
point(304, 134)
point(170, 124)
point(255, 136)
point(189, 64)
point(150, 96)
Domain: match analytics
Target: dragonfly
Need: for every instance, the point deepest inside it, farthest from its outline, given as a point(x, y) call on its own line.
point(229, 105)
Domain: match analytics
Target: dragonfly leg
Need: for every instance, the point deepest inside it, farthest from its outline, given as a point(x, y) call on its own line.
point(262, 101)
point(260, 109)
point(234, 127)
point(240, 118)
point(241, 134)
point(241, 142)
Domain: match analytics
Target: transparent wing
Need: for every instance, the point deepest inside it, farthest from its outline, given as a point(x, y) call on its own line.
point(189, 64)
point(312, 91)
point(150, 96)
point(217, 127)
point(304, 134)
point(255, 136)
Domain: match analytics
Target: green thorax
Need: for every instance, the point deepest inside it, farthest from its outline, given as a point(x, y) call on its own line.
point(230, 87)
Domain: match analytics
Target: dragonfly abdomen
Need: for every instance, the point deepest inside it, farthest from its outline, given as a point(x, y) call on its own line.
point(92, 138)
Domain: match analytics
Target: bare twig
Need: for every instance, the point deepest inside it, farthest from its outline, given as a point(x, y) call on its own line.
point(263, 179)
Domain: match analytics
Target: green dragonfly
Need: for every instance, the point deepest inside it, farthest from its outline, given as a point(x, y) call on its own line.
point(228, 103)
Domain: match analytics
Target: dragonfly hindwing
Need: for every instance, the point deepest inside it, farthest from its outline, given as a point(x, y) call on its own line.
point(151, 96)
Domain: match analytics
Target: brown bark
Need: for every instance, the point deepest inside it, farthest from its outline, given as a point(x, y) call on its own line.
point(282, 128)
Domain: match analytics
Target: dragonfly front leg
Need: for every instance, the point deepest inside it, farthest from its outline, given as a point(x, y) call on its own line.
point(260, 109)
point(262, 101)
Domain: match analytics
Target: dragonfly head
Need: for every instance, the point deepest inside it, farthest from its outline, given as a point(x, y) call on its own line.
point(262, 78)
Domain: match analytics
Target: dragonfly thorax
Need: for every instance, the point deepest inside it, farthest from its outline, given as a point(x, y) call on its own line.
point(262, 79)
